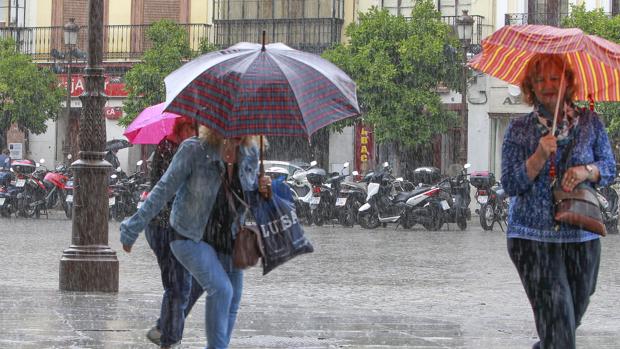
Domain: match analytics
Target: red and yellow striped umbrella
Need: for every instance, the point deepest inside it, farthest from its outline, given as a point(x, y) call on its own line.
point(595, 61)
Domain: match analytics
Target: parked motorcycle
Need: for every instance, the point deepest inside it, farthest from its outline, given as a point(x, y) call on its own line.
point(304, 202)
point(456, 192)
point(126, 193)
point(8, 194)
point(492, 199)
point(608, 198)
point(386, 203)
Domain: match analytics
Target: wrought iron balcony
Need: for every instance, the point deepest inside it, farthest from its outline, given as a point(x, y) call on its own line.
point(121, 42)
point(309, 25)
point(307, 34)
point(551, 18)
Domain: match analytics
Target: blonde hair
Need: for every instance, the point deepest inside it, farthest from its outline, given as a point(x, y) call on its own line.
point(535, 66)
point(212, 138)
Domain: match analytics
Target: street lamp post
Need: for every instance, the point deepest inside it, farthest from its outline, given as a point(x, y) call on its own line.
point(89, 264)
point(465, 28)
point(70, 31)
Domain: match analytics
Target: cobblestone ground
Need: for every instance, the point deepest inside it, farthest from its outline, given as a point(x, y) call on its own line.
point(360, 289)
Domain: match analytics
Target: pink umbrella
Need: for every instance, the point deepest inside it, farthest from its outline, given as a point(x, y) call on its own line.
point(151, 125)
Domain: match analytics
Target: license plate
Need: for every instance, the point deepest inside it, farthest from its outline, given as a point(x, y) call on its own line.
point(69, 198)
point(444, 205)
point(20, 183)
point(341, 201)
point(2, 201)
point(315, 200)
point(483, 199)
point(111, 201)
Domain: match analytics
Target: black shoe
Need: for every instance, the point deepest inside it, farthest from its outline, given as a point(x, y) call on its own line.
point(536, 345)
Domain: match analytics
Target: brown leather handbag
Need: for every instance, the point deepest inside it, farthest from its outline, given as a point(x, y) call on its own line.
point(247, 249)
point(580, 208)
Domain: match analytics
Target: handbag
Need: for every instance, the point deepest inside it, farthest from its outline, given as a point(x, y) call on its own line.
point(581, 206)
point(247, 247)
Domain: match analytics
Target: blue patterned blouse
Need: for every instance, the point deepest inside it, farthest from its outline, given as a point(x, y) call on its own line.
point(531, 210)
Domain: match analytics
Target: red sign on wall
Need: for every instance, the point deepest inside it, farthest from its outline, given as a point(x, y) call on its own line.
point(112, 113)
point(114, 85)
point(364, 147)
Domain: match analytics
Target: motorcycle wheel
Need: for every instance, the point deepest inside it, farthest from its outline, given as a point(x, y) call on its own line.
point(407, 220)
point(369, 219)
point(461, 222)
point(68, 210)
point(612, 226)
point(118, 212)
point(317, 217)
point(436, 221)
point(25, 209)
point(5, 212)
point(349, 214)
point(486, 217)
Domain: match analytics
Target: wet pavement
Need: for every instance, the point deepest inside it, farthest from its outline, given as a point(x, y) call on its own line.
point(360, 289)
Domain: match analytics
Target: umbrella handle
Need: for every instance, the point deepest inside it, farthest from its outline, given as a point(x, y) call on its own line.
point(560, 100)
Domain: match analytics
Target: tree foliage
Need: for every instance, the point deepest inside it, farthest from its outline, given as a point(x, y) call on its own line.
point(397, 64)
point(597, 22)
point(29, 95)
point(145, 81)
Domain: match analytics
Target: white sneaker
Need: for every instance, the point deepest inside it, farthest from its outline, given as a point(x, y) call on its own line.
point(154, 335)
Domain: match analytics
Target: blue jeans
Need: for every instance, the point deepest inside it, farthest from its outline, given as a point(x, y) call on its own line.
point(222, 282)
point(177, 300)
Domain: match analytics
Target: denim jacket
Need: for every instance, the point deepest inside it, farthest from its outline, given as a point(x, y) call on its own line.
point(531, 206)
point(194, 175)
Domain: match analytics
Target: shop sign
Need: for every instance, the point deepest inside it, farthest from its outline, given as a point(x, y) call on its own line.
point(364, 146)
point(114, 85)
point(113, 113)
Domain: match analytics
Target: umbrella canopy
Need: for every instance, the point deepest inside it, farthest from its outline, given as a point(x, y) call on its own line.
point(151, 125)
point(116, 144)
point(271, 90)
point(595, 61)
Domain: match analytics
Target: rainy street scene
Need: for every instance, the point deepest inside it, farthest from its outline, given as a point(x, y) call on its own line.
point(309, 174)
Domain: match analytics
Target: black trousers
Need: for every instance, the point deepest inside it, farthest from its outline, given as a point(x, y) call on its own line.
point(558, 280)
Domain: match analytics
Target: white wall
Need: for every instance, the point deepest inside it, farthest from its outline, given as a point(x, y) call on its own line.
point(44, 146)
point(341, 149)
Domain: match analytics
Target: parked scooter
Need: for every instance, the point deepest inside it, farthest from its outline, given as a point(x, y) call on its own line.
point(457, 195)
point(385, 204)
point(332, 202)
point(492, 199)
point(304, 202)
point(8, 193)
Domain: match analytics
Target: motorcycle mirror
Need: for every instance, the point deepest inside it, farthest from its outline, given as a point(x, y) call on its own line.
point(42, 161)
point(38, 164)
point(139, 163)
point(355, 173)
point(345, 165)
point(119, 169)
point(385, 164)
point(69, 156)
point(113, 176)
point(467, 165)
point(313, 163)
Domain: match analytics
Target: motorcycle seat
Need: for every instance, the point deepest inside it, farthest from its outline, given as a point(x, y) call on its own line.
point(405, 195)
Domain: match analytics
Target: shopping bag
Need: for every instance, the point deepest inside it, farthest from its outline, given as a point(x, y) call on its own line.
point(281, 233)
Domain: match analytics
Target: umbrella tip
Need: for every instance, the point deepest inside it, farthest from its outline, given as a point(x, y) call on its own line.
point(263, 48)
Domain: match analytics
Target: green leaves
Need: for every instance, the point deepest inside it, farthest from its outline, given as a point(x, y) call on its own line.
point(145, 81)
point(397, 64)
point(29, 95)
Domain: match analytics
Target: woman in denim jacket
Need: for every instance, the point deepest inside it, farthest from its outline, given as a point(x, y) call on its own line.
point(194, 175)
point(558, 264)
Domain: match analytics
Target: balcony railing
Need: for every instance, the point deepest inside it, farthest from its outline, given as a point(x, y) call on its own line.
point(550, 18)
point(121, 42)
point(307, 34)
point(481, 29)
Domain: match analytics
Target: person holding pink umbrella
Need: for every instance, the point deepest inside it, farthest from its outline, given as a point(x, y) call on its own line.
point(177, 282)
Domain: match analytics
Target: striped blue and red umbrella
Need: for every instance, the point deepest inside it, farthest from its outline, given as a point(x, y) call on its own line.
point(253, 89)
